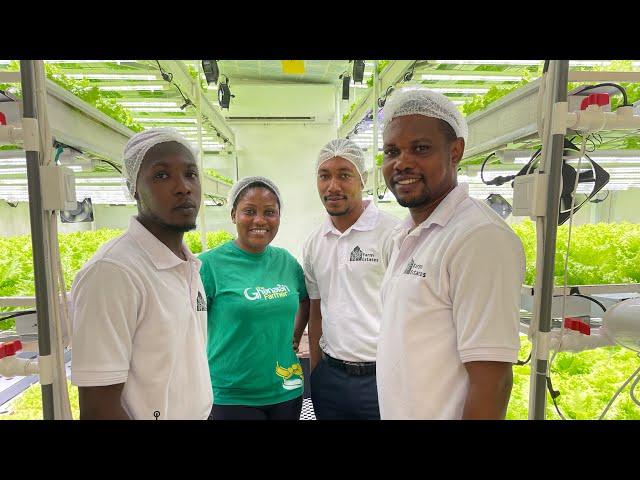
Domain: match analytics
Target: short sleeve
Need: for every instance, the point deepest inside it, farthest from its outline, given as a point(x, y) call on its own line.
point(309, 276)
point(302, 287)
point(107, 302)
point(486, 276)
point(208, 281)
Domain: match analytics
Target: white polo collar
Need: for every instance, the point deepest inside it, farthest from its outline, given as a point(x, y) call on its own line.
point(159, 254)
point(442, 213)
point(366, 222)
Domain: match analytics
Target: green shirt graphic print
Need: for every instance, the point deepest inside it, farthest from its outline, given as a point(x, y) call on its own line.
point(252, 300)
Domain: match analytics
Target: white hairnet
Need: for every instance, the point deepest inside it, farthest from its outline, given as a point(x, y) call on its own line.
point(243, 183)
point(138, 146)
point(343, 148)
point(421, 101)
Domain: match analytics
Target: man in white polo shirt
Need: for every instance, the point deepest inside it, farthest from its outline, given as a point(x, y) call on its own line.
point(451, 294)
point(344, 262)
point(140, 319)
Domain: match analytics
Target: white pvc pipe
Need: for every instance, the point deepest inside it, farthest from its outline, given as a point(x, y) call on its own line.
point(594, 120)
point(18, 367)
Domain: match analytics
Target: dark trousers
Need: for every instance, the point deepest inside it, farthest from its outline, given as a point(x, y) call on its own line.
point(337, 395)
point(289, 410)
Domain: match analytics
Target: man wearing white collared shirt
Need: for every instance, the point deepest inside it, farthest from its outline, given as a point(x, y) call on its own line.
point(451, 294)
point(344, 262)
point(139, 309)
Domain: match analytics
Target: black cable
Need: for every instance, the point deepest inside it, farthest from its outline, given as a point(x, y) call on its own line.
point(531, 162)
point(4, 94)
point(596, 200)
point(554, 394)
point(16, 314)
point(383, 100)
point(408, 76)
point(187, 101)
point(217, 201)
point(524, 362)
point(499, 180)
point(114, 165)
point(167, 76)
point(58, 144)
point(608, 84)
point(578, 294)
point(482, 167)
point(599, 138)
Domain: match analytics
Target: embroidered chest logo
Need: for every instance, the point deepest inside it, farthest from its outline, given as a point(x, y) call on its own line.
point(201, 304)
point(261, 293)
point(414, 269)
point(358, 255)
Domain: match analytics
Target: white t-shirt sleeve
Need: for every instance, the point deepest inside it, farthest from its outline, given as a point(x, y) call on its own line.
point(309, 276)
point(486, 275)
point(106, 306)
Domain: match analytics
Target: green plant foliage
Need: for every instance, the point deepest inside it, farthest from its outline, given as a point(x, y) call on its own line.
point(193, 71)
point(217, 175)
point(379, 158)
point(86, 91)
point(214, 239)
point(478, 102)
point(16, 263)
point(346, 116)
point(586, 380)
point(28, 405)
point(600, 253)
point(381, 66)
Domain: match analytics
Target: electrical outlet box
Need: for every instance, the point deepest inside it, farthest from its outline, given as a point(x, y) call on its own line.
point(58, 188)
point(529, 195)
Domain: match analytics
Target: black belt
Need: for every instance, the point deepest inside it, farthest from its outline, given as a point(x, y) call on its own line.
point(352, 368)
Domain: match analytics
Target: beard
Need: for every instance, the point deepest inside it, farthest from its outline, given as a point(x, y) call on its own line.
point(421, 199)
point(178, 228)
point(171, 227)
point(340, 213)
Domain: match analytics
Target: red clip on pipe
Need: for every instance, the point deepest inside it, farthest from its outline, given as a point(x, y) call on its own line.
point(10, 348)
point(578, 325)
point(599, 99)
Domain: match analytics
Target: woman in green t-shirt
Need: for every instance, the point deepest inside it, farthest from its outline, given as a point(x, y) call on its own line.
point(254, 292)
